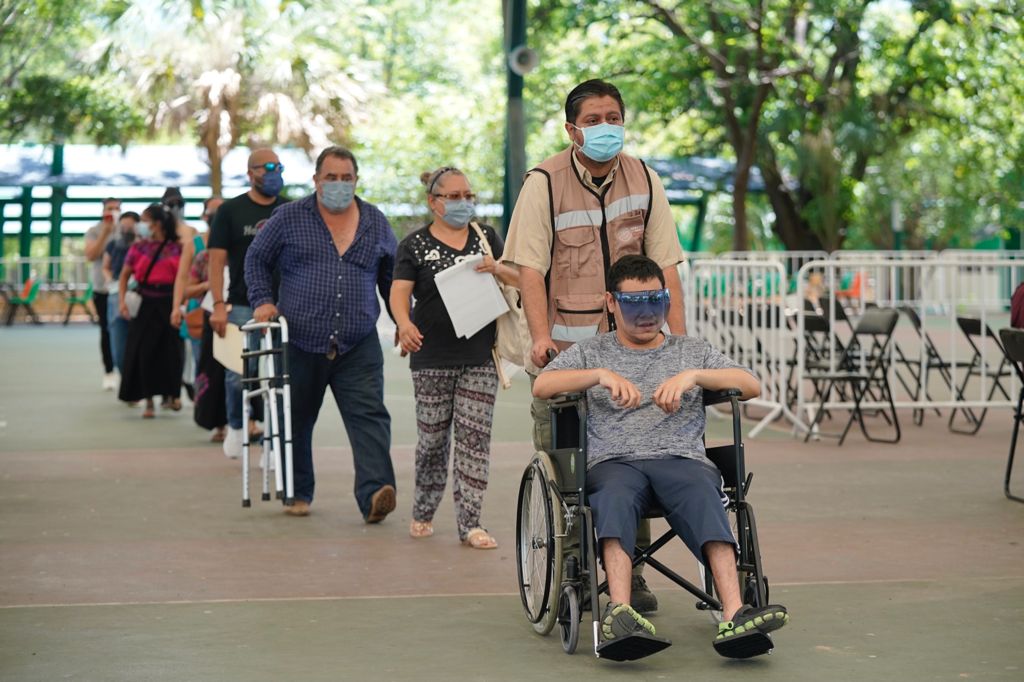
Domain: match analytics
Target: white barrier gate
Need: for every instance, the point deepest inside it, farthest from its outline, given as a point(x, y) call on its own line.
point(737, 306)
point(948, 296)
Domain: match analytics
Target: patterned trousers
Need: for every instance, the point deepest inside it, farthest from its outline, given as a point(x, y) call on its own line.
point(459, 400)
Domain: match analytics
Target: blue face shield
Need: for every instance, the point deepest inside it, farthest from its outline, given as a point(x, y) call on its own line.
point(644, 309)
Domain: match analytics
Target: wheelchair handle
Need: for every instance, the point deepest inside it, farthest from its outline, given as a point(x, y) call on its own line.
point(722, 396)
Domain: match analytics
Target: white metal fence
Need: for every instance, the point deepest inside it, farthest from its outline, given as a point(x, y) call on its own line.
point(737, 306)
point(63, 273)
point(945, 355)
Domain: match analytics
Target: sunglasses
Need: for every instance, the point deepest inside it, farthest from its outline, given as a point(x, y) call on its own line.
point(269, 167)
point(652, 296)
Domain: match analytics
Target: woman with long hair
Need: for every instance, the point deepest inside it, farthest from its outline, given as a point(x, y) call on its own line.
point(154, 351)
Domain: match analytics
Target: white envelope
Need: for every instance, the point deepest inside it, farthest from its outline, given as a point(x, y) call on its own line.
point(228, 350)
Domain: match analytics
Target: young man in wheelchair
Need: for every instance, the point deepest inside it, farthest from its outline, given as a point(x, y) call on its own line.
point(645, 447)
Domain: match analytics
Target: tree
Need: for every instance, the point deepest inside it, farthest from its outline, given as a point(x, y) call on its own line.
point(49, 90)
point(234, 71)
point(814, 92)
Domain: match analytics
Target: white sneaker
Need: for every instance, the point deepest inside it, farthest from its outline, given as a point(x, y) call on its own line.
point(233, 443)
point(109, 381)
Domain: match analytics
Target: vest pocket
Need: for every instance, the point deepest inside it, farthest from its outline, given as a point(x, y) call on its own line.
point(627, 232)
point(577, 252)
point(577, 317)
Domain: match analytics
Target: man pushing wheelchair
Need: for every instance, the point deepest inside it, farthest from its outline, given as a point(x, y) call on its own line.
point(645, 449)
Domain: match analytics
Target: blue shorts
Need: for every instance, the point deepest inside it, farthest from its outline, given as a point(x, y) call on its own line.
point(688, 491)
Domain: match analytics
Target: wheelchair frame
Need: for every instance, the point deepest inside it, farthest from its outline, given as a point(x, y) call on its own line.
point(555, 481)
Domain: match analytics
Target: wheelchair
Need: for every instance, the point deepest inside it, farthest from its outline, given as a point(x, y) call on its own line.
point(552, 509)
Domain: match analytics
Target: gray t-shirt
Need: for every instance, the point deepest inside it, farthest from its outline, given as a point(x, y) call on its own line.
point(643, 432)
point(99, 285)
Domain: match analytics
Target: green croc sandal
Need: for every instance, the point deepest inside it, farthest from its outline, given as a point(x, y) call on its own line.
point(627, 635)
point(747, 634)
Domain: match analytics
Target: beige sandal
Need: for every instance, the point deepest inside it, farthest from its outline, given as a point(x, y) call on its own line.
point(478, 538)
point(421, 529)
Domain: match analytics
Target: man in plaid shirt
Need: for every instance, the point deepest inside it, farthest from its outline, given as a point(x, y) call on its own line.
point(334, 252)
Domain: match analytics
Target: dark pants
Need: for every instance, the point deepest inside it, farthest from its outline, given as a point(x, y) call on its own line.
point(687, 490)
point(356, 379)
point(99, 301)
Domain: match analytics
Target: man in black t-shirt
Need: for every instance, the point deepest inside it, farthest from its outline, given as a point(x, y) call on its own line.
point(234, 227)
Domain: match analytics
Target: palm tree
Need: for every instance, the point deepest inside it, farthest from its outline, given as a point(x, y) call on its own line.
point(238, 71)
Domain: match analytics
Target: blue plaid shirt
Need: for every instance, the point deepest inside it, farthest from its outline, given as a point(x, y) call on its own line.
point(328, 300)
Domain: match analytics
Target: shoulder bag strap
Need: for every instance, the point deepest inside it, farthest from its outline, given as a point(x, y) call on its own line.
point(152, 263)
point(485, 245)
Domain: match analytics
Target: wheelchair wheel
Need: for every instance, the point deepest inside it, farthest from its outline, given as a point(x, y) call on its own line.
point(569, 618)
point(539, 544)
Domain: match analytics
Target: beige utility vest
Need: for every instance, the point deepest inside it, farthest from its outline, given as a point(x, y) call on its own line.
point(591, 231)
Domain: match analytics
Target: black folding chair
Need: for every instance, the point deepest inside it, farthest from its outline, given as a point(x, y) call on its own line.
point(819, 346)
point(976, 334)
point(1013, 344)
point(933, 361)
point(865, 369)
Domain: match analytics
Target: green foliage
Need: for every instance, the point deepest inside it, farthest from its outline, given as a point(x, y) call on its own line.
point(50, 89)
point(858, 93)
point(58, 109)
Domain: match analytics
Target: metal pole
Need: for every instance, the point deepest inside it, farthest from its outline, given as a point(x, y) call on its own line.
point(515, 123)
point(25, 238)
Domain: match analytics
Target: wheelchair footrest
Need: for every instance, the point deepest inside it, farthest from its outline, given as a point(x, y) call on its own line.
point(631, 647)
point(745, 646)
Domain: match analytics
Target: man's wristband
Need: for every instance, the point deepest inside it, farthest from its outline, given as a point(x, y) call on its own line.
point(216, 303)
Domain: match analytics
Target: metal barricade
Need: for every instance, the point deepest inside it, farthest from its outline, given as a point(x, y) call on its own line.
point(260, 379)
point(791, 261)
point(739, 307)
point(944, 355)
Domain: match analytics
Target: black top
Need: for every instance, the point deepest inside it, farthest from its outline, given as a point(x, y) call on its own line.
point(234, 227)
point(420, 257)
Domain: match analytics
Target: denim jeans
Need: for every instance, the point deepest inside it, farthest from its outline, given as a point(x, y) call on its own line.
point(239, 315)
point(356, 379)
point(117, 327)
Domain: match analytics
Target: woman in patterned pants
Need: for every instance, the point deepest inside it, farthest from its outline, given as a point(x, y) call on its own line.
point(454, 378)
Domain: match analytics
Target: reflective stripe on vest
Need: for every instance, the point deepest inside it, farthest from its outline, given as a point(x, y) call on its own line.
point(612, 211)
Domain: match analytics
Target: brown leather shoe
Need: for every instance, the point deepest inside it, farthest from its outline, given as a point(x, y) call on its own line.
point(381, 504)
point(299, 508)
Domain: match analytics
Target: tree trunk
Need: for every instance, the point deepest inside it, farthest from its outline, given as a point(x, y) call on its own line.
point(792, 230)
point(740, 235)
point(215, 160)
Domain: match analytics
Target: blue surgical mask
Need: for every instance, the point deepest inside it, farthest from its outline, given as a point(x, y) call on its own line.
point(458, 213)
point(647, 308)
point(337, 195)
point(272, 183)
point(143, 231)
point(602, 142)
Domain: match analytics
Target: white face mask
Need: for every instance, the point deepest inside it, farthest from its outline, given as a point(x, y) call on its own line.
point(143, 230)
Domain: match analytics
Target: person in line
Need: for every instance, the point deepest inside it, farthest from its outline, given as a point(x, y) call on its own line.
point(454, 379)
point(186, 298)
point(190, 286)
point(96, 239)
point(334, 251)
point(578, 212)
point(235, 225)
point(210, 411)
point(113, 261)
point(645, 428)
point(174, 201)
point(153, 352)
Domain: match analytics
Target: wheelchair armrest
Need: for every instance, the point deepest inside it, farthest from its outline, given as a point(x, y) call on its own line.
point(722, 396)
point(566, 400)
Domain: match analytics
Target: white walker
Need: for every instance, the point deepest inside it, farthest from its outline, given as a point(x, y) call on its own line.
point(261, 379)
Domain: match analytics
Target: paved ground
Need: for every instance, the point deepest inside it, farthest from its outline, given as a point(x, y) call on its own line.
point(125, 554)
